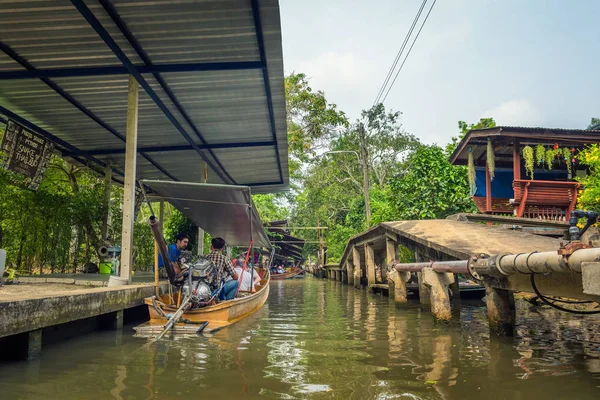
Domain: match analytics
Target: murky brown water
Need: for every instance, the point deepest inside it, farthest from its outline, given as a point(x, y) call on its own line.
point(323, 340)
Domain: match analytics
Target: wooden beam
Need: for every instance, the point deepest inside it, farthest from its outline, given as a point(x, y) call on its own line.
point(130, 176)
point(488, 189)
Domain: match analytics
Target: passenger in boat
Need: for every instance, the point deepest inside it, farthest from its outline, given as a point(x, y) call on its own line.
point(181, 242)
point(280, 270)
point(246, 279)
point(225, 271)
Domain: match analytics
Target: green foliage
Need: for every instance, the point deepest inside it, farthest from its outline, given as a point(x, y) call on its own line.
point(270, 207)
point(594, 123)
point(589, 197)
point(431, 187)
point(529, 161)
point(550, 156)
point(310, 117)
point(465, 128)
point(540, 154)
point(491, 159)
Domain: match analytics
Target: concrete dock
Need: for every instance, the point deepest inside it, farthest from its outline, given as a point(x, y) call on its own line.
point(42, 306)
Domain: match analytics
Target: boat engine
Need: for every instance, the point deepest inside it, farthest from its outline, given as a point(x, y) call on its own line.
point(197, 283)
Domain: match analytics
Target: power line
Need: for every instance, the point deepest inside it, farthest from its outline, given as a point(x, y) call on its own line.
point(399, 54)
point(407, 54)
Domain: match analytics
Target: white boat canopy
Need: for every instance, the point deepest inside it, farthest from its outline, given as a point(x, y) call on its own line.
point(223, 211)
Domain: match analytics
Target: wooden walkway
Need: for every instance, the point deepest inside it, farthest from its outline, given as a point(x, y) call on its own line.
point(451, 239)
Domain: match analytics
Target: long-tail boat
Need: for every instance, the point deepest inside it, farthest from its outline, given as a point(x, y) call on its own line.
point(287, 275)
point(223, 211)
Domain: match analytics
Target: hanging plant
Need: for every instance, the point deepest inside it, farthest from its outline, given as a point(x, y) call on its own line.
point(566, 153)
point(529, 161)
point(550, 156)
point(491, 161)
point(540, 151)
point(471, 173)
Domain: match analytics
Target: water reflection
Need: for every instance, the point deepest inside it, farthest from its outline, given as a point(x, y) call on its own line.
point(322, 339)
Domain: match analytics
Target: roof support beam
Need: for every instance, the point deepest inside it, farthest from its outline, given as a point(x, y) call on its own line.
point(131, 69)
point(163, 149)
point(121, 70)
point(265, 73)
point(114, 15)
point(52, 85)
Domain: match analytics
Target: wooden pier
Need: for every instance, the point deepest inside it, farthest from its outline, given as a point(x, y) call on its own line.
point(368, 255)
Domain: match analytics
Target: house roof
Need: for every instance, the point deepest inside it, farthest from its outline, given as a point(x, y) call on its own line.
point(504, 137)
point(211, 77)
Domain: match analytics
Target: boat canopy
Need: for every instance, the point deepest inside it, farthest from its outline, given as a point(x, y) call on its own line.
point(223, 211)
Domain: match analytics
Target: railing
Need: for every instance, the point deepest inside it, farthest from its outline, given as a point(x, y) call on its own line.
point(545, 199)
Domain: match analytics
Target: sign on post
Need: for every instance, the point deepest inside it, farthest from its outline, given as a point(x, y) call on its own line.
point(25, 153)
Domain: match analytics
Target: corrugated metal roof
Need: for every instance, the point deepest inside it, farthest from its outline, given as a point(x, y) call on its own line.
point(476, 140)
point(218, 69)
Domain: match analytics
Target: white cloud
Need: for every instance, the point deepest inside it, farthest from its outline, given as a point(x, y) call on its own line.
point(515, 112)
point(344, 77)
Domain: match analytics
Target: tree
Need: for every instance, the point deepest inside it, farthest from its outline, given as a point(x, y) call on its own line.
point(431, 187)
point(465, 128)
point(594, 123)
point(311, 119)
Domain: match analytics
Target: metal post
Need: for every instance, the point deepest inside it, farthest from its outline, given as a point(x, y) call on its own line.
point(200, 230)
point(129, 184)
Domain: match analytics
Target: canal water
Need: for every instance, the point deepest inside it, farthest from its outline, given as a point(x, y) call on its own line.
point(319, 339)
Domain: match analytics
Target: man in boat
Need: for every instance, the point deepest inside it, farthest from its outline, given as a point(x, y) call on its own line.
point(181, 242)
point(225, 271)
point(247, 279)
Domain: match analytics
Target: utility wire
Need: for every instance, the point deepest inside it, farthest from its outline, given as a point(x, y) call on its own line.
point(407, 54)
point(393, 67)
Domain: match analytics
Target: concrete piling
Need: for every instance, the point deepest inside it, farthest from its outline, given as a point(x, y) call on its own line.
point(438, 283)
point(501, 311)
point(357, 266)
point(34, 344)
point(370, 265)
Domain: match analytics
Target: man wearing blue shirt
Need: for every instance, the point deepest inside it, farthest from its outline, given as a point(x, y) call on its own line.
point(174, 251)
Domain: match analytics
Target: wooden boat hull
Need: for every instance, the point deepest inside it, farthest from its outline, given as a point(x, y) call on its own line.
point(467, 292)
point(218, 316)
point(287, 275)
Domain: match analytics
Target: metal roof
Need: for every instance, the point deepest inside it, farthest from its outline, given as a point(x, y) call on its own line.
point(504, 136)
point(211, 77)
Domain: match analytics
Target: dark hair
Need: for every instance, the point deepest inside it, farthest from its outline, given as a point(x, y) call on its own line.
point(217, 243)
point(181, 236)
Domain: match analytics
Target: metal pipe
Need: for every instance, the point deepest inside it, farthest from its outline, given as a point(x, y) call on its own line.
point(546, 262)
point(454, 267)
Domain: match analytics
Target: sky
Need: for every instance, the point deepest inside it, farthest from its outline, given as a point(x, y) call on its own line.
point(522, 62)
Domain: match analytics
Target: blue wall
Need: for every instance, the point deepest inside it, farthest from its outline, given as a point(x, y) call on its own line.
point(503, 179)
